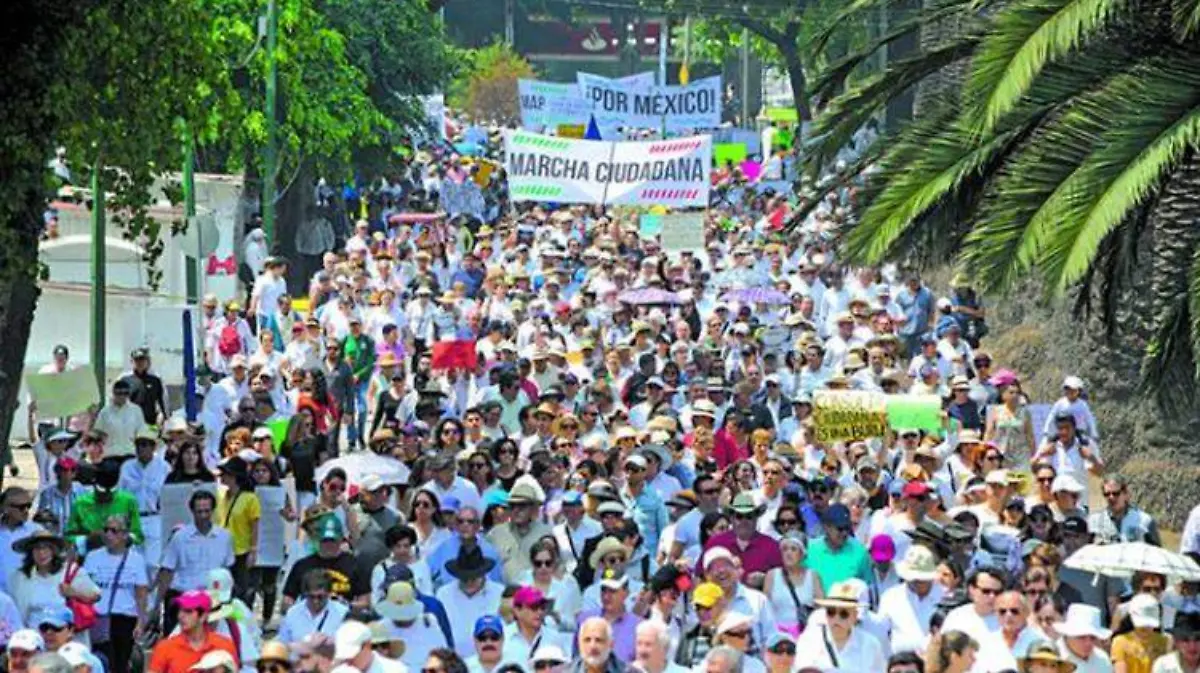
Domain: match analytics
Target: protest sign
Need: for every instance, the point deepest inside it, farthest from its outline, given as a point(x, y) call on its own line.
point(271, 526)
point(840, 415)
point(571, 130)
point(545, 105)
point(728, 153)
point(650, 225)
point(173, 504)
point(673, 108)
point(683, 232)
point(463, 198)
point(278, 427)
point(64, 393)
point(454, 355)
point(671, 173)
point(920, 412)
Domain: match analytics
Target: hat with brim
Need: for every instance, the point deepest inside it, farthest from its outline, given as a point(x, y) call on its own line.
point(1045, 653)
point(918, 565)
point(551, 654)
point(470, 564)
point(401, 604)
point(26, 544)
point(1083, 620)
point(606, 546)
point(660, 452)
point(743, 503)
point(61, 436)
point(841, 595)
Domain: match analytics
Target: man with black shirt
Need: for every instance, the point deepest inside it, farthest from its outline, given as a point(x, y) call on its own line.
point(348, 583)
point(146, 389)
point(374, 518)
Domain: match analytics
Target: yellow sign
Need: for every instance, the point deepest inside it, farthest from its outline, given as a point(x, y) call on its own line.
point(484, 174)
point(572, 130)
point(840, 415)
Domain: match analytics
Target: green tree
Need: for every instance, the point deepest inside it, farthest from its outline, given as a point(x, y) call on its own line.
point(1072, 139)
point(487, 86)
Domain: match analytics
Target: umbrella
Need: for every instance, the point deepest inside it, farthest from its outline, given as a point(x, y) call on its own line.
point(648, 295)
point(469, 149)
point(1125, 558)
point(756, 295)
point(359, 465)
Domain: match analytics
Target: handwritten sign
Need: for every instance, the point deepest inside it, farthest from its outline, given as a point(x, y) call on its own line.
point(64, 393)
point(271, 529)
point(683, 232)
point(840, 415)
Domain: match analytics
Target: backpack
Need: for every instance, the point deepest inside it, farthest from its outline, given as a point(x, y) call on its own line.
point(230, 342)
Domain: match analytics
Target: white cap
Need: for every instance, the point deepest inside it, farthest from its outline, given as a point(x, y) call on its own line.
point(78, 654)
point(219, 585)
point(1065, 482)
point(943, 303)
point(636, 459)
point(371, 482)
point(716, 554)
point(1073, 382)
point(350, 639)
point(1144, 612)
point(549, 653)
point(733, 621)
point(26, 640)
point(997, 477)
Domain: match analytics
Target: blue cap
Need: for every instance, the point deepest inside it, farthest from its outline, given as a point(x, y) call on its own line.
point(572, 498)
point(450, 504)
point(57, 617)
point(489, 623)
point(896, 487)
point(838, 516)
point(778, 638)
point(495, 498)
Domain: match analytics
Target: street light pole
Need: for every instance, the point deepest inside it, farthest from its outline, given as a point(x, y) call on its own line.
point(745, 78)
point(99, 283)
point(270, 155)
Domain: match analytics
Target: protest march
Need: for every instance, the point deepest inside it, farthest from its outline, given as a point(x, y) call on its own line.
point(598, 404)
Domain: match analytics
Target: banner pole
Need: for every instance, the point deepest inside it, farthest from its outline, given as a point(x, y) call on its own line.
point(612, 152)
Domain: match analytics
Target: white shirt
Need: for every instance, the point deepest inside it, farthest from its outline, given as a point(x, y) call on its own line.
point(1099, 662)
point(1189, 540)
point(422, 580)
point(420, 638)
point(381, 664)
point(144, 482)
point(120, 424)
point(907, 616)
point(861, 653)
point(268, 288)
point(464, 610)
point(9, 558)
point(570, 544)
point(1167, 663)
point(517, 649)
point(191, 554)
point(103, 568)
point(299, 621)
point(466, 493)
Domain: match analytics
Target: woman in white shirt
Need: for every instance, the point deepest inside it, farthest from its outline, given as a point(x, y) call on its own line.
point(120, 573)
point(793, 588)
point(548, 575)
point(44, 581)
point(402, 540)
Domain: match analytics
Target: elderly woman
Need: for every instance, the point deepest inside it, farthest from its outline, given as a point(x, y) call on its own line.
point(120, 572)
point(735, 631)
point(840, 643)
point(44, 581)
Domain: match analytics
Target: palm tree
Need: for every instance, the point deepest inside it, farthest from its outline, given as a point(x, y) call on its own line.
point(1071, 140)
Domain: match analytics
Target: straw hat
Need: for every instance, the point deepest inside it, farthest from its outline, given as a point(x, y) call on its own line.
point(1045, 653)
point(841, 595)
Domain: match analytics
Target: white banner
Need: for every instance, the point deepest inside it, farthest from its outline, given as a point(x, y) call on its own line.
point(682, 232)
point(563, 170)
point(546, 105)
point(679, 108)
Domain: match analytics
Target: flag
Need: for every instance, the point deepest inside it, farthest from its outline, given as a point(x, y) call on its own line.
point(593, 131)
point(683, 74)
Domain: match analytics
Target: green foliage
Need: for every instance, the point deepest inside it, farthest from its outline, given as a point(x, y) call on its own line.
point(486, 87)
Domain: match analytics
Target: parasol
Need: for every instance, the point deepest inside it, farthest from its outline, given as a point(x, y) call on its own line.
point(648, 296)
point(756, 295)
point(1125, 558)
point(359, 465)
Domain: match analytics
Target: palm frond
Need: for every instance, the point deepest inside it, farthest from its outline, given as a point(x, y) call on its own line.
point(1025, 37)
point(1185, 14)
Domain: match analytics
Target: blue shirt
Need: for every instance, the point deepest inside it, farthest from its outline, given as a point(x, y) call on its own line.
point(649, 513)
point(917, 308)
point(447, 551)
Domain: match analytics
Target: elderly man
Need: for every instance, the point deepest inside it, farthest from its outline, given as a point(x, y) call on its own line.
point(906, 608)
point(651, 646)
point(470, 597)
point(467, 522)
point(595, 649)
point(489, 645)
point(515, 539)
point(722, 569)
point(447, 483)
point(1017, 635)
point(1082, 638)
point(14, 527)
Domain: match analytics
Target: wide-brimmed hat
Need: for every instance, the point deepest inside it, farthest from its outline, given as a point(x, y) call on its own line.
point(524, 492)
point(744, 503)
point(400, 604)
point(659, 451)
point(606, 546)
point(1045, 653)
point(470, 564)
point(26, 544)
point(918, 565)
point(841, 595)
point(1083, 620)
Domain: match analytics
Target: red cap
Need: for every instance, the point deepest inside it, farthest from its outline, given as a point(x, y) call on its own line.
point(194, 600)
point(67, 463)
point(528, 596)
point(915, 489)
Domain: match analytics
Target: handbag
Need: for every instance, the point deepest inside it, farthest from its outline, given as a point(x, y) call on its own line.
point(102, 629)
point(83, 614)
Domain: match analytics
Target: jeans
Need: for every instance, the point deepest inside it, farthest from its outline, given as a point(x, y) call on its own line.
point(357, 432)
point(119, 648)
point(265, 581)
point(242, 581)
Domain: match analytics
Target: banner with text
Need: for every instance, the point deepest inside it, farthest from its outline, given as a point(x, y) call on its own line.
point(683, 232)
point(677, 108)
point(840, 415)
point(671, 173)
point(548, 105)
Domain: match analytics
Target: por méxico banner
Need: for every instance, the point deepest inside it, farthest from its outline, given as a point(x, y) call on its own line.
point(670, 172)
point(547, 105)
point(677, 108)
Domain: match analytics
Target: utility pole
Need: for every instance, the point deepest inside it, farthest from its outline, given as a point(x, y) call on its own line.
point(745, 78)
point(270, 152)
point(510, 32)
point(685, 74)
point(189, 213)
point(664, 36)
point(99, 284)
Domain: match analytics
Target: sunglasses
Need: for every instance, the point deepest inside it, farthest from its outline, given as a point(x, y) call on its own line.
point(423, 504)
point(839, 613)
point(468, 522)
point(1008, 611)
point(543, 563)
point(1045, 480)
point(1112, 494)
point(988, 592)
point(743, 516)
point(112, 529)
point(24, 507)
point(634, 468)
point(786, 522)
point(710, 491)
point(488, 637)
point(545, 665)
point(612, 560)
point(52, 627)
point(737, 634)
point(787, 649)
point(276, 667)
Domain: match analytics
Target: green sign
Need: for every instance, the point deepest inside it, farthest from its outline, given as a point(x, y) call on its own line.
point(783, 114)
point(918, 412)
point(723, 152)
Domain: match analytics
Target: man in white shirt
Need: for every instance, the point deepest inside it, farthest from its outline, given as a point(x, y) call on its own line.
point(317, 613)
point(575, 530)
point(1082, 636)
point(405, 619)
point(1016, 634)
point(268, 288)
point(144, 478)
point(352, 646)
point(446, 483)
point(190, 553)
point(906, 608)
point(471, 597)
point(978, 618)
point(120, 421)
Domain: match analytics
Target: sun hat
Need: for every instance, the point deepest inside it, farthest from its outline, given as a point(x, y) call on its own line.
point(707, 594)
point(918, 565)
point(1045, 652)
point(469, 564)
point(637, 460)
point(1065, 482)
point(611, 507)
point(25, 544)
point(606, 546)
point(841, 595)
point(274, 650)
point(78, 654)
point(1144, 611)
point(400, 604)
point(717, 554)
point(660, 452)
point(350, 639)
point(1083, 620)
point(743, 503)
point(550, 654)
point(614, 581)
point(733, 621)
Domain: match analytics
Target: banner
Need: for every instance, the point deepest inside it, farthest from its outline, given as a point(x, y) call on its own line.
point(683, 232)
point(677, 108)
point(920, 412)
point(454, 355)
point(671, 173)
point(840, 415)
point(650, 225)
point(546, 105)
point(63, 394)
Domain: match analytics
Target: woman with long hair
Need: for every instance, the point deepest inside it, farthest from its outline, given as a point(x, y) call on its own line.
point(951, 652)
point(265, 578)
point(119, 571)
point(189, 467)
point(45, 581)
point(1010, 426)
point(333, 496)
point(480, 471)
point(712, 524)
point(448, 436)
point(444, 660)
point(304, 448)
point(505, 453)
point(392, 393)
point(425, 517)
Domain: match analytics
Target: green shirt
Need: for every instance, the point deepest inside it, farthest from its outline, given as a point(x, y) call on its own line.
point(832, 567)
point(88, 515)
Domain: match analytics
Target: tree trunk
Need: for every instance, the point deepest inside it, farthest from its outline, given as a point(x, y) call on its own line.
point(795, 70)
point(18, 299)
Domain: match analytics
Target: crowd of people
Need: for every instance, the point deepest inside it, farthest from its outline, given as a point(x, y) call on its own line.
point(629, 477)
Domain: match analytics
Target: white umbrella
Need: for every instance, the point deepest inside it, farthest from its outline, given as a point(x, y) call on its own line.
point(1125, 558)
point(359, 465)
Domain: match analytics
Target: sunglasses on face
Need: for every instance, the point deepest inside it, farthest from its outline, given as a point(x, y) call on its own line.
point(545, 665)
point(24, 507)
point(988, 592)
point(1008, 611)
point(1112, 494)
point(488, 637)
point(276, 667)
point(468, 522)
point(543, 563)
point(743, 516)
point(786, 523)
point(114, 530)
point(740, 635)
point(839, 613)
point(785, 649)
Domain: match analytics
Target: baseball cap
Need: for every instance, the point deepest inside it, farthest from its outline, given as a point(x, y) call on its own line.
point(717, 554)
point(350, 639)
point(915, 489)
point(488, 623)
point(1076, 525)
point(529, 596)
point(838, 516)
point(707, 594)
point(26, 640)
point(56, 617)
point(194, 600)
point(883, 548)
point(331, 529)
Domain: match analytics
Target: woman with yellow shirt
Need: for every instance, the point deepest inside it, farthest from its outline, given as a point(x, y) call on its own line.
point(238, 512)
point(1135, 652)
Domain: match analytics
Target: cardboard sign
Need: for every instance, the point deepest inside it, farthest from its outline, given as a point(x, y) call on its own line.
point(454, 355)
point(841, 415)
point(673, 173)
point(683, 232)
point(674, 108)
point(64, 393)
